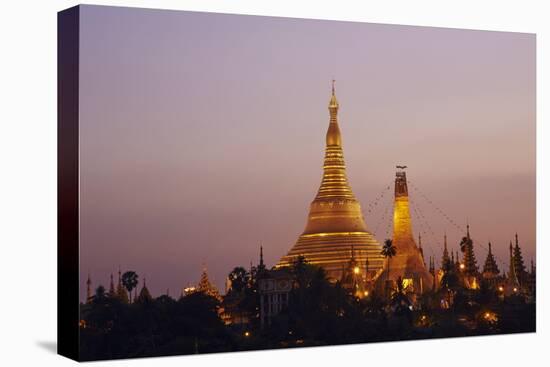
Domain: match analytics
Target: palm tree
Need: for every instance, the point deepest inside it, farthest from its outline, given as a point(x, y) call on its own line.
point(130, 281)
point(388, 251)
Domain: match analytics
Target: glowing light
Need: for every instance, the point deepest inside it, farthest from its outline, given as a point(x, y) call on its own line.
point(490, 316)
point(462, 266)
point(356, 270)
point(246, 333)
point(501, 289)
point(515, 289)
point(407, 283)
point(366, 293)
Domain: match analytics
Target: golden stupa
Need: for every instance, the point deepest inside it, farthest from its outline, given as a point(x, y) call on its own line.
point(335, 226)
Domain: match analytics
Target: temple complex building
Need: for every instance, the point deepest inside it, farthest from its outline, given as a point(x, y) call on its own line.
point(491, 273)
point(468, 267)
point(274, 287)
point(335, 223)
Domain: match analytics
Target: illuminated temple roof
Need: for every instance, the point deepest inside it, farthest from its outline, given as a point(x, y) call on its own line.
point(335, 222)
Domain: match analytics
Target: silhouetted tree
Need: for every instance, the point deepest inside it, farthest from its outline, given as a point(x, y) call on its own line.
point(388, 251)
point(130, 281)
point(239, 278)
point(100, 293)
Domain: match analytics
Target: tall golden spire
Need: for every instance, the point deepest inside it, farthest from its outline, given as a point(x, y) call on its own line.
point(335, 221)
point(408, 263)
point(402, 227)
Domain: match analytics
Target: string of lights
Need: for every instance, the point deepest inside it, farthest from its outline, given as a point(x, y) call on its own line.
point(423, 223)
point(450, 220)
point(383, 217)
point(374, 203)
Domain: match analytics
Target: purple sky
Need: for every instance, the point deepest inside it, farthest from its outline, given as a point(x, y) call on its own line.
point(202, 135)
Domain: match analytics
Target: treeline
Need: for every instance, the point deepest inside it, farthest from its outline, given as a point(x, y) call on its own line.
point(319, 312)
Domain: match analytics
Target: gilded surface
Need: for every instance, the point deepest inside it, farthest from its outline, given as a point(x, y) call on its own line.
point(335, 222)
point(408, 262)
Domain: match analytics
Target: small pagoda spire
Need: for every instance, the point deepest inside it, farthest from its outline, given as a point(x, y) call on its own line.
point(206, 287)
point(470, 264)
point(261, 256)
point(261, 265)
point(420, 247)
point(144, 294)
point(121, 292)
point(88, 289)
point(519, 266)
point(333, 106)
point(445, 261)
point(512, 276)
point(490, 269)
point(112, 286)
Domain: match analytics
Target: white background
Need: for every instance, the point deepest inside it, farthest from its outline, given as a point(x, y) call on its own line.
point(28, 181)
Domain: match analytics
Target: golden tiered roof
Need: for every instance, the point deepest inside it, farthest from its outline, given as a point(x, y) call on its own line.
point(335, 222)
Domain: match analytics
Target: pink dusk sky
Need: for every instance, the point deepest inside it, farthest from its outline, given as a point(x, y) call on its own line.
point(202, 136)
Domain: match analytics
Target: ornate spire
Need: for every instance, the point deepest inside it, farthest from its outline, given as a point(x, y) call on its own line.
point(121, 292)
point(112, 286)
point(88, 289)
point(512, 276)
point(206, 287)
point(490, 268)
point(144, 294)
point(409, 258)
point(261, 255)
point(334, 185)
point(334, 137)
point(470, 263)
point(402, 227)
point(445, 261)
point(519, 266)
point(261, 265)
point(333, 104)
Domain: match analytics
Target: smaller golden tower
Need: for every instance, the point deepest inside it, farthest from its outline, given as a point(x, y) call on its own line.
point(408, 262)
